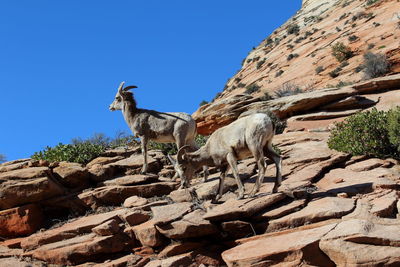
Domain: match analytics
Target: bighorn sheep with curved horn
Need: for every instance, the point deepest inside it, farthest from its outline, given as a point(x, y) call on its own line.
point(178, 127)
point(248, 136)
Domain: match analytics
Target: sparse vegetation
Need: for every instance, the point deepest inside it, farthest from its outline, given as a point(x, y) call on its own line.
point(375, 65)
point(353, 38)
point(202, 103)
point(370, 46)
point(394, 127)
point(266, 97)
point(371, 2)
point(341, 52)
point(241, 85)
point(293, 29)
point(344, 64)
point(260, 63)
point(252, 88)
point(335, 73)
point(319, 69)
point(288, 89)
point(291, 56)
point(367, 133)
point(279, 73)
point(83, 150)
point(2, 158)
point(342, 84)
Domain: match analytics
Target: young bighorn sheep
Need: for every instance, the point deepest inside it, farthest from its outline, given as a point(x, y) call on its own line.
point(178, 128)
point(250, 135)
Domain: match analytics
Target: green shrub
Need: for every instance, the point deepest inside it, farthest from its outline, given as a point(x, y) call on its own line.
point(375, 65)
point(288, 89)
point(371, 2)
point(79, 152)
point(202, 103)
point(293, 29)
point(365, 133)
point(341, 52)
point(336, 72)
point(394, 127)
point(260, 63)
point(319, 69)
point(252, 88)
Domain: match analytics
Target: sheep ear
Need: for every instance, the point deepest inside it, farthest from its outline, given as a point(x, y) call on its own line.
point(171, 159)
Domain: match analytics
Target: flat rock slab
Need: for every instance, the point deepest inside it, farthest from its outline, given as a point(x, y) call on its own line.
point(135, 201)
point(192, 225)
point(363, 243)
point(315, 211)
point(128, 260)
point(103, 161)
point(234, 209)
point(354, 182)
point(282, 210)
point(27, 173)
point(147, 234)
point(79, 249)
point(366, 165)
point(69, 230)
point(136, 179)
point(287, 248)
point(169, 213)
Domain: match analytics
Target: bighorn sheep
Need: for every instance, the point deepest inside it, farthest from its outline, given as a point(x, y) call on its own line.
point(178, 128)
point(250, 135)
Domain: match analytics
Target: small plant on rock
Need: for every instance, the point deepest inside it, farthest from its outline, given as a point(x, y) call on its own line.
point(252, 88)
point(288, 89)
point(341, 52)
point(375, 65)
point(365, 133)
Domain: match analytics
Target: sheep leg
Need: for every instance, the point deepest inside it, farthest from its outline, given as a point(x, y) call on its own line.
point(277, 159)
point(143, 141)
point(222, 176)
point(232, 160)
point(261, 172)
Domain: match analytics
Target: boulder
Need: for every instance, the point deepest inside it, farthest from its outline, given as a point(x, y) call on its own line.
point(135, 217)
point(136, 161)
point(20, 221)
point(287, 249)
point(169, 213)
point(317, 210)
point(147, 234)
point(135, 201)
point(234, 209)
point(16, 192)
point(72, 175)
point(26, 173)
point(103, 161)
point(110, 227)
point(363, 243)
point(385, 205)
point(190, 226)
point(100, 173)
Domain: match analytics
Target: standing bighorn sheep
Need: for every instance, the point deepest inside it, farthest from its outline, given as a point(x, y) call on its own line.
point(178, 127)
point(250, 135)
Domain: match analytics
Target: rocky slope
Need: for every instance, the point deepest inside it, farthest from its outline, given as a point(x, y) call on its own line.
point(291, 55)
point(332, 209)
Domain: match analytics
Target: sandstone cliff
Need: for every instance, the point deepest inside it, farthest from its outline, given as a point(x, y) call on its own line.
point(299, 53)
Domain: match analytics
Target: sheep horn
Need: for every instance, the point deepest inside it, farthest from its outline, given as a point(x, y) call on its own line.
point(130, 87)
point(121, 86)
point(181, 153)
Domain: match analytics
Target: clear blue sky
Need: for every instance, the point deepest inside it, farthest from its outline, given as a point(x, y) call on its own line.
point(62, 61)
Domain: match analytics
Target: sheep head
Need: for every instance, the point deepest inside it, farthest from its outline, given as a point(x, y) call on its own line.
point(121, 96)
point(183, 165)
